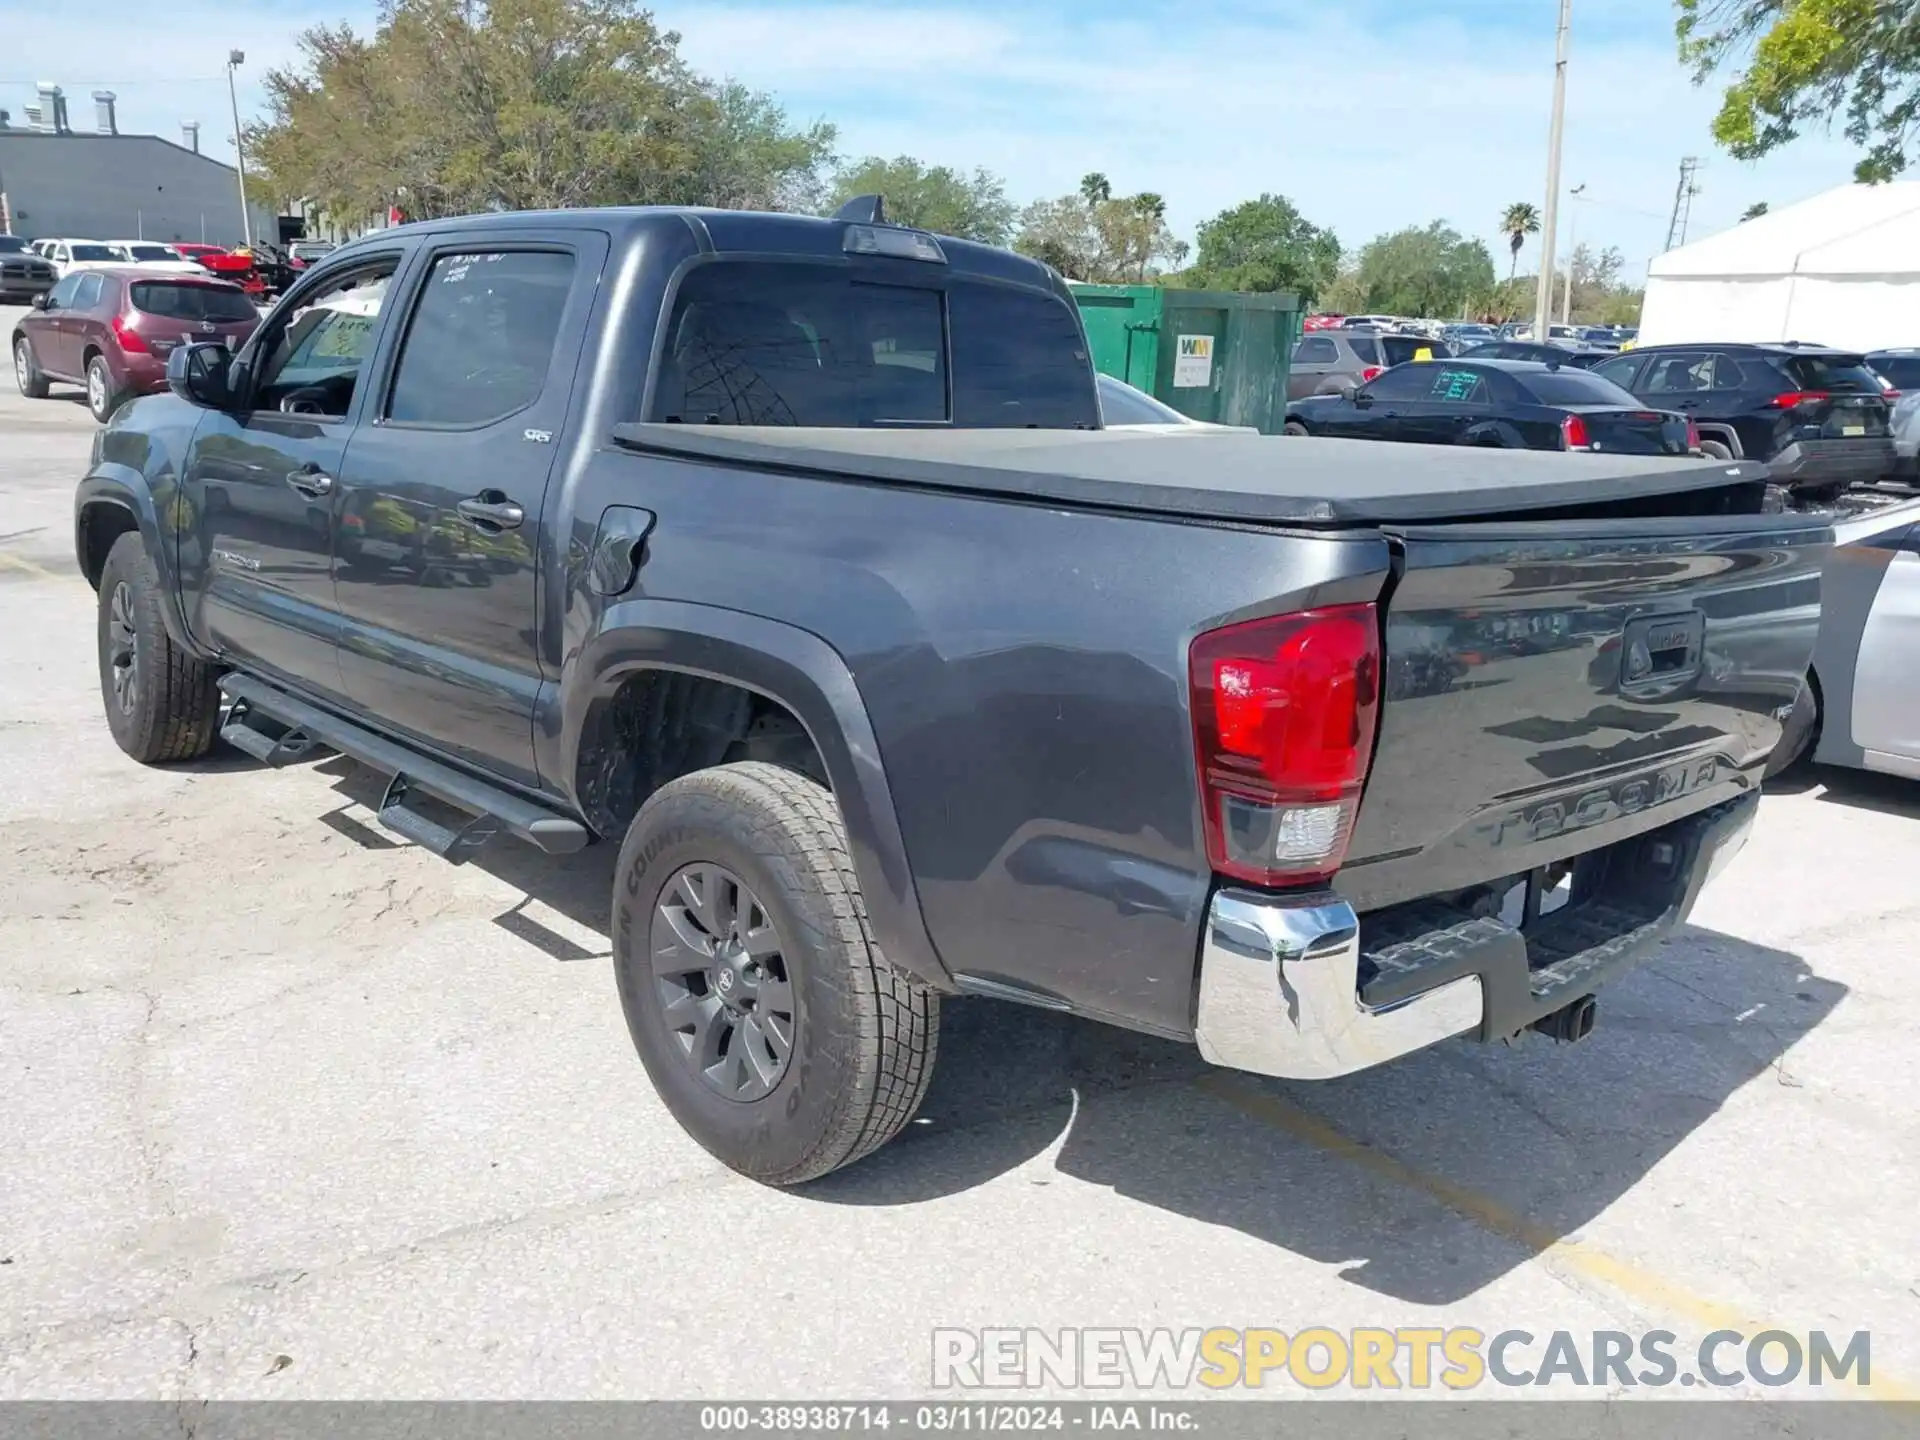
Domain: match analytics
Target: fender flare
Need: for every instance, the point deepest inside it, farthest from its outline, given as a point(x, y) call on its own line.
point(804, 673)
point(127, 490)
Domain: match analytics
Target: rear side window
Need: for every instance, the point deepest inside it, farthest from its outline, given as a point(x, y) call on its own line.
point(1619, 370)
point(481, 338)
point(191, 302)
point(1459, 385)
point(776, 343)
point(1409, 382)
point(1316, 350)
point(1836, 374)
point(1366, 347)
point(88, 295)
point(1574, 387)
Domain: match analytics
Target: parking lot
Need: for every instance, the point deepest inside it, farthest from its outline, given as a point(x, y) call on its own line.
point(295, 1110)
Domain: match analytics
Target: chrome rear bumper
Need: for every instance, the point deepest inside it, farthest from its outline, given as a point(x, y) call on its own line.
point(1279, 993)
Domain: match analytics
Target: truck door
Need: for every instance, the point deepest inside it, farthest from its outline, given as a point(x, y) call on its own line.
point(441, 493)
point(260, 481)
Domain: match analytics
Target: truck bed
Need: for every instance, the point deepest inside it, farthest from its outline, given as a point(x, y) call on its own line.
point(1299, 480)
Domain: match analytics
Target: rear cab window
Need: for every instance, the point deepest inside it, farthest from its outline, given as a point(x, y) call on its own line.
point(1575, 387)
point(1366, 347)
point(753, 342)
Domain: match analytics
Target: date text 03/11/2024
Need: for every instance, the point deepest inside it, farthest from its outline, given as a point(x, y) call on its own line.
point(945, 1418)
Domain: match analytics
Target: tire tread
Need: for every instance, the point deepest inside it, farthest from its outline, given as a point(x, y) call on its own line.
point(175, 720)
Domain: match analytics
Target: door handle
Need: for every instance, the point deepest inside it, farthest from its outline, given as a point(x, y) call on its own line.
point(490, 510)
point(310, 482)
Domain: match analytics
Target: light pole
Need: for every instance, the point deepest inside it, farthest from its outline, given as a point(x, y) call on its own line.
point(1573, 227)
point(235, 59)
point(1543, 293)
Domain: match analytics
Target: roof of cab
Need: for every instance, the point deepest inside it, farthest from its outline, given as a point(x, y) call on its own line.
point(723, 230)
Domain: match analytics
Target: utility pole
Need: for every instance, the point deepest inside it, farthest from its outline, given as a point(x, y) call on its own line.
point(1682, 203)
point(1573, 245)
point(1543, 293)
point(235, 59)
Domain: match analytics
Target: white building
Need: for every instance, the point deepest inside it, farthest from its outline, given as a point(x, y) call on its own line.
point(1842, 268)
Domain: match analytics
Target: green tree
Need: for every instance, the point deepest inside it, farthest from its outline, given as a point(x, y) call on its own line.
point(468, 105)
point(1429, 271)
point(1753, 211)
point(1094, 236)
point(1796, 63)
point(1520, 220)
point(1265, 245)
point(973, 207)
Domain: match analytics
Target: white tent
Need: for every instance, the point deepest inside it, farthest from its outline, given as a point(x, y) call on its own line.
point(1842, 268)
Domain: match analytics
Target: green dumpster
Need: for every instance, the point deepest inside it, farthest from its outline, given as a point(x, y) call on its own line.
point(1211, 354)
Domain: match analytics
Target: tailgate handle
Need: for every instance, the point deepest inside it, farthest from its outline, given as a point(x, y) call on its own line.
point(1661, 649)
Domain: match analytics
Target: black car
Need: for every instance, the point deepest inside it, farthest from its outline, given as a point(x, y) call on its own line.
point(1509, 404)
point(23, 274)
point(1570, 353)
point(1818, 417)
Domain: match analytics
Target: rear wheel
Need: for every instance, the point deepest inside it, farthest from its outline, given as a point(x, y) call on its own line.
point(103, 392)
point(1293, 427)
point(26, 370)
point(1715, 450)
point(768, 1020)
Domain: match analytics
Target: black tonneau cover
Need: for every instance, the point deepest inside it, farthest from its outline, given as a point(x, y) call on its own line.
point(1225, 476)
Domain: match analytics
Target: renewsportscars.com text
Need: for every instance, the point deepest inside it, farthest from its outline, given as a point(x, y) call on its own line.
point(1404, 1358)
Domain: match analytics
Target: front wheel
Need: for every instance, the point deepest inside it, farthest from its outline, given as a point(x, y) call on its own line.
point(768, 1020)
point(161, 702)
point(26, 371)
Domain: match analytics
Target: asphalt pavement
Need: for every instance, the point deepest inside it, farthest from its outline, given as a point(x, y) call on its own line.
point(291, 1109)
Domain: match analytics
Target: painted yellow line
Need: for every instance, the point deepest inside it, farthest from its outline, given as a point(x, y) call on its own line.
point(10, 561)
point(1576, 1255)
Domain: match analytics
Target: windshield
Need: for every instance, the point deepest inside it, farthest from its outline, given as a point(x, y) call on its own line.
point(1836, 374)
point(91, 252)
point(1402, 348)
point(1121, 404)
point(12, 245)
point(192, 302)
point(150, 252)
point(1575, 387)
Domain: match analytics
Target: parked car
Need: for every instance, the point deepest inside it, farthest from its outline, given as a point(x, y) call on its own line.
point(197, 252)
point(1504, 404)
point(1333, 362)
point(68, 255)
point(895, 678)
point(302, 253)
point(1583, 357)
point(1861, 705)
point(1123, 407)
point(1816, 416)
point(23, 273)
point(153, 256)
point(111, 331)
point(1905, 425)
point(1465, 337)
point(1899, 368)
point(1369, 322)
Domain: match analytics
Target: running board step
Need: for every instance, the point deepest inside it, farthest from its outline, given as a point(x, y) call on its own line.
point(492, 808)
point(285, 748)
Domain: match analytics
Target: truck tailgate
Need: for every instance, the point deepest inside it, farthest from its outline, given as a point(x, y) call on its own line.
point(1553, 687)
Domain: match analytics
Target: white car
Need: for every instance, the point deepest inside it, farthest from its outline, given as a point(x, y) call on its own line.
point(151, 255)
point(1862, 705)
point(66, 255)
point(1122, 407)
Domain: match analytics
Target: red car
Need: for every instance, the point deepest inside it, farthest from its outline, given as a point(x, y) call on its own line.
point(111, 330)
point(228, 265)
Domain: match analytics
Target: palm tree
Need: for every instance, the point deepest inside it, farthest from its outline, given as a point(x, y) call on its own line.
point(1520, 221)
point(1095, 189)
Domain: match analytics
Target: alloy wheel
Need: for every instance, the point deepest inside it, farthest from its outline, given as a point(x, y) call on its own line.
point(123, 653)
point(725, 992)
point(96, 387)
point(22, 366)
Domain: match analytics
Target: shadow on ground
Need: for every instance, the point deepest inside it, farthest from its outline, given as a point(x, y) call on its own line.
point(1391, 1175)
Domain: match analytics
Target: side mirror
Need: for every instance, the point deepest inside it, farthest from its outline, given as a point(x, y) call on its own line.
point(198, 374)
point(40, 301)
point(1361, 399)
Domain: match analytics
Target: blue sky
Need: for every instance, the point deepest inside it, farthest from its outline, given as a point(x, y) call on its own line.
point(1369, 114)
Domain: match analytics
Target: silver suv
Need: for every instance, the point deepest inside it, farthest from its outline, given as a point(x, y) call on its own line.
point(1335, 362)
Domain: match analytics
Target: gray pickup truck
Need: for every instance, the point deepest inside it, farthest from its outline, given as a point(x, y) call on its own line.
point(790, 556)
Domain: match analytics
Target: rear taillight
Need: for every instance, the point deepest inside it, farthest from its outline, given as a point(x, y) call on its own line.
point(1693, 434)
point(1793, 398)
point(1371, 373)
point(129, 338)
point(1283, 719)
point(1573, 433)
